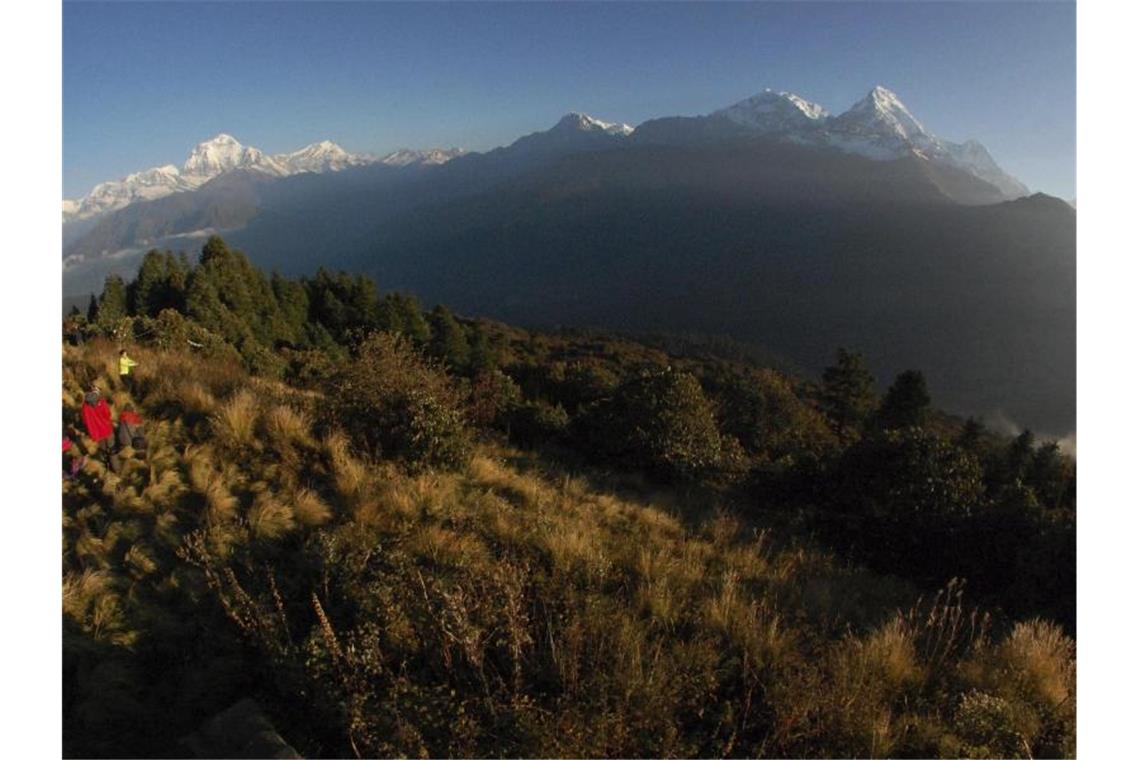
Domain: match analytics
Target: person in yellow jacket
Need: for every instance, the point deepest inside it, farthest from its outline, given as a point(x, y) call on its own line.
point(125, 364)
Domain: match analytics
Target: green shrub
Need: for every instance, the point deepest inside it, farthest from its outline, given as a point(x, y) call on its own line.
point(659, 420)
point(392, 403)
point(537, 422)
point(493, 397)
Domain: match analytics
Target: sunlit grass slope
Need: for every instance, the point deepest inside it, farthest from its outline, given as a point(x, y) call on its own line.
point(510, 608)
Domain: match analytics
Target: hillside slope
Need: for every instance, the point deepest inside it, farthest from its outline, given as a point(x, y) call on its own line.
point(512, 606)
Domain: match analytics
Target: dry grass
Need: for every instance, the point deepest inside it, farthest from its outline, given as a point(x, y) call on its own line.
point(309, 509)
point(235, 421)
point(194, 397)
point(205, 479)
point(269, 518)
point(349, 474)
point(286, 427)
point(82, 589)
point(1040, 658)
point(578, 619)
point(164, 489)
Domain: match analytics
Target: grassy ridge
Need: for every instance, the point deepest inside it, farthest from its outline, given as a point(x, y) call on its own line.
point(512, 606)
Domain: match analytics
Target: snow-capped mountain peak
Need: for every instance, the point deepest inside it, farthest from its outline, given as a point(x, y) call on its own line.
point(585, 123)
point(881, 113)
point(772, 111)
point(879, 126)
point(219, 155)
point(319, 157)
point(430, 157)
point(224, 153)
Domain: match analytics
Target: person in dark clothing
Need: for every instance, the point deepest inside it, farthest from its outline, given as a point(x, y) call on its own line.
point(128, 432)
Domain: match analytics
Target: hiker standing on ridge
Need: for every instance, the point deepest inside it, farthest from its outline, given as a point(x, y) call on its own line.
point(125, 364)
point(97, 420)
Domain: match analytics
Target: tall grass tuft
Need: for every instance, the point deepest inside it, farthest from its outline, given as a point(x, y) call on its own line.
point(221, 503)
point(349, 474)
point(1040, 661)
point(309, 509)
point(235, 422)
point(80, 590)
point(269, 518)
point(194, 397)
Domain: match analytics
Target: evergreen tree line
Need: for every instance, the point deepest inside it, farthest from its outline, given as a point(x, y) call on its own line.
point(257, 315)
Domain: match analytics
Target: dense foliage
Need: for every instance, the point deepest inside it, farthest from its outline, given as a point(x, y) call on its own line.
point(418, 534)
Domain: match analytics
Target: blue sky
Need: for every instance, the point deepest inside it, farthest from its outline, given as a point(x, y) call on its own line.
point(144, 82)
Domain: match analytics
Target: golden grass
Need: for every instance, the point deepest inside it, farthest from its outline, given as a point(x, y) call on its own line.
point(599, 591)
point(164, 489)
point(309, 509)
point(1035, 664)
point(1041, 658)
point(575, 547)
point(235, 421)
point(349, 474)
point(204, 479)
point(221, 503)
point(888, 655)
point(194, 397)
point(141, 560)
point(80, 590)
point(449, 547)
point(286, 426)
point(269, 518)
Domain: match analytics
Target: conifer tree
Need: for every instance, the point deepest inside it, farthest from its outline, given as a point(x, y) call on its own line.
point(401, 313)
point(92, 310)
point(112, 303)
point(481, 356)
point(848, 394)
point(907, 402)
point(448, 339)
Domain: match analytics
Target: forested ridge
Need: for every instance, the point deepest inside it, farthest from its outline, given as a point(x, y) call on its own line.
point(405, 532)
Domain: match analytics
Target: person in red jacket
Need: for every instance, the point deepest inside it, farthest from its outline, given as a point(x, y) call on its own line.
point(97, 419)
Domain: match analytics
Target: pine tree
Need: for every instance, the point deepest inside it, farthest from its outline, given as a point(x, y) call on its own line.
point(848, 394)
point(293, 303)
point(92, 310)
point(482, 355)
point(401, 313)
point(112, 303)
point(448, 339)
point(907, 402)
point(145, 294)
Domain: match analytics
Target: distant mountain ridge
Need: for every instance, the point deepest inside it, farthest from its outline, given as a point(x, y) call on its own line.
point(879, 127)
point(223, 154)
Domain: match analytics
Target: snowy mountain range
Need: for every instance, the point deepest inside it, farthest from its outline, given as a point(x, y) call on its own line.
point(878, 127)
point(224, 154)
